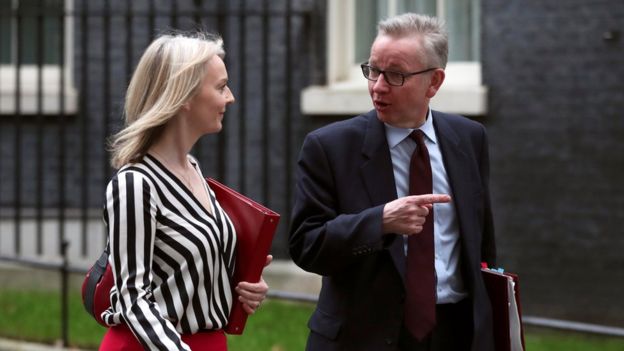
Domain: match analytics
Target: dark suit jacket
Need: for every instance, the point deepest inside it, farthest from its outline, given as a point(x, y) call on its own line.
point(344, 178)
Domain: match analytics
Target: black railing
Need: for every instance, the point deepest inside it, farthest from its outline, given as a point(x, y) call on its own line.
point(57, 111)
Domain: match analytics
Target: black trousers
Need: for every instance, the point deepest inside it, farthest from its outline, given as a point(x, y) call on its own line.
point(453, 330)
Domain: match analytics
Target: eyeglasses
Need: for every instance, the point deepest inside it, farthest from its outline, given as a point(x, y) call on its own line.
point(392, 77)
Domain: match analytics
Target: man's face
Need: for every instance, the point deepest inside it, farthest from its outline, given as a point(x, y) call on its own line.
point(400, 106)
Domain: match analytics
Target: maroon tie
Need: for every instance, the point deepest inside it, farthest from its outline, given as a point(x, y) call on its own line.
point(420, 301)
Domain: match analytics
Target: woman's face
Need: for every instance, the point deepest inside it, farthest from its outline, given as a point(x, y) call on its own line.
point(207, 107)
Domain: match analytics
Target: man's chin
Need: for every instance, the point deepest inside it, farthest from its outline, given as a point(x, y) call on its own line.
point(383, 116)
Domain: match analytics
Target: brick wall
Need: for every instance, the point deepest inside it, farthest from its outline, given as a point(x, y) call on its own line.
point(556, 128)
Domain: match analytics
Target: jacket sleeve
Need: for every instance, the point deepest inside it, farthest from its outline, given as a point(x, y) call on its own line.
point(131, 207)
point(322, 239)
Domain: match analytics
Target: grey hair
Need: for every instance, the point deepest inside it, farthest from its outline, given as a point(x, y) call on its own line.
point(167, 76)
point(430, 30)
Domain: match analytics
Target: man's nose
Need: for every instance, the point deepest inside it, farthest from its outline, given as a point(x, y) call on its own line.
point(381, 84)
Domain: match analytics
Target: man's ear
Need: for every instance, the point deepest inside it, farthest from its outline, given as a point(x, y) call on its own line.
point(437, 78)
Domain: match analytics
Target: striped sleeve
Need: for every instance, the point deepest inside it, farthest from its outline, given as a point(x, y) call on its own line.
point(131, 206)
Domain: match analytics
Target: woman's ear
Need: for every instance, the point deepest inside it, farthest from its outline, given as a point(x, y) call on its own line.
point(437, 78)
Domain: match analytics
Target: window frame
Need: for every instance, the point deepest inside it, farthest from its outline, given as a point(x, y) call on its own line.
point(50, 74)
point(346, 91)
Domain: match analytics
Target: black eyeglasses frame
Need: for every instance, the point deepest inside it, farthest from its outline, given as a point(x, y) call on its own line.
point(366, 67)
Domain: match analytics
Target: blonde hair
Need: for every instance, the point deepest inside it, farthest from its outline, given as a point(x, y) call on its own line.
point(431, 30)
point(168, 74)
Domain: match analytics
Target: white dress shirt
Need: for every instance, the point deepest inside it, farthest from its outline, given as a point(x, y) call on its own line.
point(450, 285)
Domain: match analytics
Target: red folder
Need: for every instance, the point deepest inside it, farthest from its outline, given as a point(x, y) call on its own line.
point(497, 285)
point(255, 227)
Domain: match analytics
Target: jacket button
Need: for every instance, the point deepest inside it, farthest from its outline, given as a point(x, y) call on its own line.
point(389, 341)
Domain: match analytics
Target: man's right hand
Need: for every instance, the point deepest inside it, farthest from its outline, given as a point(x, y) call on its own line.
point(407, 214)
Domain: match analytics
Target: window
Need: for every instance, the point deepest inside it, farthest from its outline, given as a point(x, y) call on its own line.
point(461, 17)
point(352, 29)
point(31, 35)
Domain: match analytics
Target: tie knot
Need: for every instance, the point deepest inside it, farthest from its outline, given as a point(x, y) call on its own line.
point(417, 135)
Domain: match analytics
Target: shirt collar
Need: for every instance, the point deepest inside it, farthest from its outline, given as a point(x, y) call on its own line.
point(396, 135)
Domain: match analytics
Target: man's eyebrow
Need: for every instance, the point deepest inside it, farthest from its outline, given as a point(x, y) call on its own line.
point(387, 69)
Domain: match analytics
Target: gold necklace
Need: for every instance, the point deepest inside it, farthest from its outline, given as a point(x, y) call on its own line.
point(186, 180)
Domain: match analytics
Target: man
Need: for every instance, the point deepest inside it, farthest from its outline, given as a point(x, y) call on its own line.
point(363, 210)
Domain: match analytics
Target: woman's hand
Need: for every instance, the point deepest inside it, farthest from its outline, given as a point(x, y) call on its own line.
point(251, 295)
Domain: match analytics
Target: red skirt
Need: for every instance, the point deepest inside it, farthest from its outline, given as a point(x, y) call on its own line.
point(120, 338)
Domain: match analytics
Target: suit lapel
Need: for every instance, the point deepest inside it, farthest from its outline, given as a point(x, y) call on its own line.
point(377, 166)
point(378, 177)
point(457, 163)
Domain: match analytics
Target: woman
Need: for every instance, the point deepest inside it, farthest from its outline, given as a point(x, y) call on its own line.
point(172, 246)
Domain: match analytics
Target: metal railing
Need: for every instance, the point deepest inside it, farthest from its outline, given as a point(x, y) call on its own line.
point(551, 323)
point(53, 160)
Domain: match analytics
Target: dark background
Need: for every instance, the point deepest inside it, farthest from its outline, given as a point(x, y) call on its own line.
point(555, 74)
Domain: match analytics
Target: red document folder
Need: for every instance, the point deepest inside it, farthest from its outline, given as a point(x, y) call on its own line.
point(255, 227)
point(497, 285)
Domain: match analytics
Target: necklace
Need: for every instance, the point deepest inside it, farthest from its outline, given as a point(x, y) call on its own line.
point(186, 179)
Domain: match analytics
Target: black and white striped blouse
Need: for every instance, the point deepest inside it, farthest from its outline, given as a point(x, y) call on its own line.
point(172, 260)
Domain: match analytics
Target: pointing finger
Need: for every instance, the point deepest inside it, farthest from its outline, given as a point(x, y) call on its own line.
point(427, 199)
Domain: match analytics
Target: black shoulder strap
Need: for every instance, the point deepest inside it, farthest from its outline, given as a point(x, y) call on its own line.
point(94, 277)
